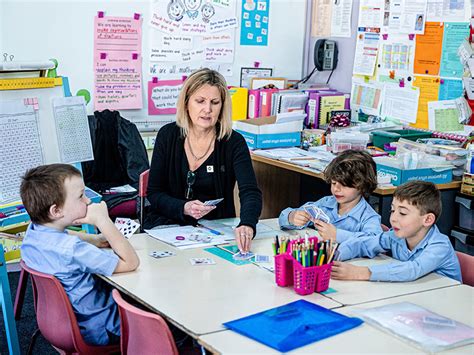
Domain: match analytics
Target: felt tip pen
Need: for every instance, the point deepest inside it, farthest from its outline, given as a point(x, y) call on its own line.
point(213, 231)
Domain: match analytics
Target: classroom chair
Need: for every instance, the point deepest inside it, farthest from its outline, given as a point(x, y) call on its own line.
point(56, 319)
point(20, 294)
point(142, 188)
point(143, 332)
point(467, 268)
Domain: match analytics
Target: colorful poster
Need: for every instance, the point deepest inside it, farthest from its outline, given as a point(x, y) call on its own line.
point(428, 49)
point(118, 82)
point(404, 16)
point(444, 116)
point(371, 13)
point(429, 87)
point(450, 89)
point(117, 63)
point(254, 22)
point(365, 58)
point(448, 10)
point(321, 18)
point(117, 34)
point(454, 35)
point(163, 95)
point(396, 57)
point(191, 31)
point(366, 97)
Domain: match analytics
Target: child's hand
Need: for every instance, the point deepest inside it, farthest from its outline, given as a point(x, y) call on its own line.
point(101, 242)
point(326, 230)
point(298, 218)
point(346, 271)
point(96, 213)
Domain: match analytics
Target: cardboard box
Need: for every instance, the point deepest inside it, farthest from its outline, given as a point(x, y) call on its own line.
point(265, 133)
point(399, 176)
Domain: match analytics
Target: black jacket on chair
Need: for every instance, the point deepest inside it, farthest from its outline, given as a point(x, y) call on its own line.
point(120, 155)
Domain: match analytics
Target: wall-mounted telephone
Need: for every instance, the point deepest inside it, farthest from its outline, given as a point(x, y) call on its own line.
point(325, 55)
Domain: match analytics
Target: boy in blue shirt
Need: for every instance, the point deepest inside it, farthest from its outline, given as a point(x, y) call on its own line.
point(54, 197)
point(352, 176)
point(414, 240)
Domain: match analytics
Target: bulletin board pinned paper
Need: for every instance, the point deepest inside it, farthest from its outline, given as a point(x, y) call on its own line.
point(163, 95)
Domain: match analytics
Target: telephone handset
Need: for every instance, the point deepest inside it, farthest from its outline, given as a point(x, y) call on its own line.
point(325, 55)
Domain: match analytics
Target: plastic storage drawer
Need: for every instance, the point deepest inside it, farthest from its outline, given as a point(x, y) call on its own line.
point(466, 211)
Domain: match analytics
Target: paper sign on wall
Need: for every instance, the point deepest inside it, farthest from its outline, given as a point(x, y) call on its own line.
point(162, 96)
point(254, 22)
point(118, 82)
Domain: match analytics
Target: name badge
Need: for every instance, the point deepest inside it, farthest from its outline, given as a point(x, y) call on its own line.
point(210, 168)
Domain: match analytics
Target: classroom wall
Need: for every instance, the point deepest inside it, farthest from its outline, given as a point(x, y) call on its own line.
point(29, 31)
point(342, 77)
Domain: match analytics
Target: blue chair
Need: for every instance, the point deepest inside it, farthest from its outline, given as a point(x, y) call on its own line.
point(7, 308)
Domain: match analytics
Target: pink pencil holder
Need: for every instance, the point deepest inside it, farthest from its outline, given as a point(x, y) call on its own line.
point(307, 280)
point(283, 270)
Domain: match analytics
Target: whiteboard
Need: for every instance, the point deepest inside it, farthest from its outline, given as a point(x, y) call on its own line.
point(38, 30)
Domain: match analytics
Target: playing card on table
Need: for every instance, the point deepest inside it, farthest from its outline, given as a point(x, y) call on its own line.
point(243, 256)
point(213, 202)
point(161, 254)
point(202, 261)
point(262, 258)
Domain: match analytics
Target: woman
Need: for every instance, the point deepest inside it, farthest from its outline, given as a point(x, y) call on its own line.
point(200, 158)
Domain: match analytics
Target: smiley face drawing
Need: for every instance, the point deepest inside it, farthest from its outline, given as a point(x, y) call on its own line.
point(207, 12)
point(192, 7)
point(175, 10)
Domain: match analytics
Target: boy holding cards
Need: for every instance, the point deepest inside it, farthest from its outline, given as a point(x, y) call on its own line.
point(346, 214)
point(414, 240)
point(54, 197)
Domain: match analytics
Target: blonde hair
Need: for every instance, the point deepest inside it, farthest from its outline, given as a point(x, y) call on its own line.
point(193, 83)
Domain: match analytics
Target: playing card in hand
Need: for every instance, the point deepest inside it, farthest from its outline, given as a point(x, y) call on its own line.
point(126, 226)
point(213, 202)
point(317, 214)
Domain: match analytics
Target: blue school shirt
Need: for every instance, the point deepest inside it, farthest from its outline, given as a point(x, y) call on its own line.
point(360, 221)
point(434, 253)
point(73, 262)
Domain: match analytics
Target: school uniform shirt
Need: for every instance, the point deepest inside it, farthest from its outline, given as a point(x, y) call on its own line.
point(434, 253)
point(73, 262)
point(360, 221)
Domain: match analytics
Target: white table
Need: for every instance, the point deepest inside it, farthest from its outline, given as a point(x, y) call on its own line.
point(198, 299)
point(356, 292)
point(453, 302)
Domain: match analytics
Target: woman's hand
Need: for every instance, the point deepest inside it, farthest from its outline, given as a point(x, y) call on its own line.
point(197, 209)
point(298, 218)
point(243, 236)
point(326, 230)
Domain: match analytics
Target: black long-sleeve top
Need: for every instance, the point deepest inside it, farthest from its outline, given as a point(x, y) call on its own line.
point(230, 163)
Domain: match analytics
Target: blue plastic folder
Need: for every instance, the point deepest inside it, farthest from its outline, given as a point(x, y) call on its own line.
point(293, 325)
